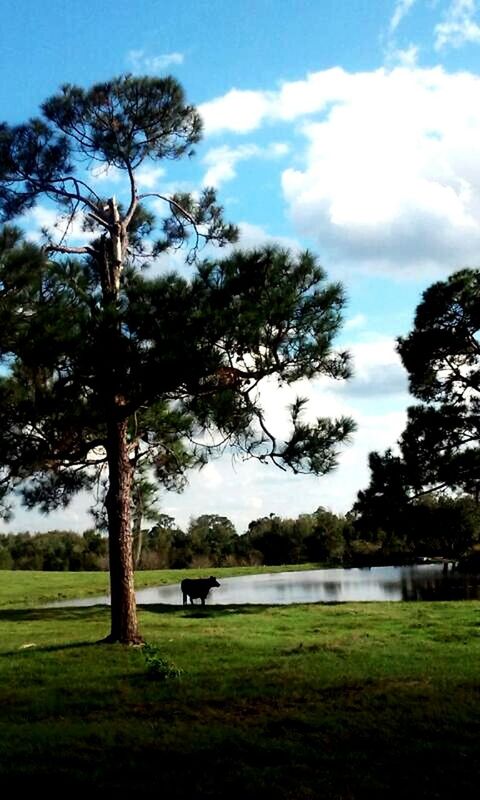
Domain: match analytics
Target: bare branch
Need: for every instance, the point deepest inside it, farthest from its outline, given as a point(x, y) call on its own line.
point(171, 202)
point(70, 221)
point(58, 191)
point(133, 195)
point(58, 248)
point(98, 219)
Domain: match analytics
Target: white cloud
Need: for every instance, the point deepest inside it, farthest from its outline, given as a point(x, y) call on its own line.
point(459, 26)
point(140, 61)
point(402, 8)
point(377, 370)
point(59, 226)
point(238, 110)
point(149, 177)
point(406, 57)
point(222, 161)
point(107, 173)
point(75, 517)
point(358, 321)
point(211, 476)
point(252, 236)
point(385, 172)
point(391, 172)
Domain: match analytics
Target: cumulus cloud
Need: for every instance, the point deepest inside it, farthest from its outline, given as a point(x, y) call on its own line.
point(149, 177)
point(242, 111)
point(238, 110)
point(222, 161)
point(391, 176)
point(140, 61)
point(459, 26)
point(385, 171)
point(377, 370)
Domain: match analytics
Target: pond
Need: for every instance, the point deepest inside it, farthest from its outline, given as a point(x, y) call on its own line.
point(419, 582)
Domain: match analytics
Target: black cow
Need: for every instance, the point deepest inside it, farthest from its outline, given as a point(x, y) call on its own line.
point(197, 587)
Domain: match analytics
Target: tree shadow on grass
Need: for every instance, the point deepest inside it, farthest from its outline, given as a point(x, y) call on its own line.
point(205, 612)
point(45, 614)
point(48, 648)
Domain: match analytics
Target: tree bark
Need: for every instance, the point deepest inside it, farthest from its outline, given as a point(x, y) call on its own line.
point(137, 525)
point(124, 626)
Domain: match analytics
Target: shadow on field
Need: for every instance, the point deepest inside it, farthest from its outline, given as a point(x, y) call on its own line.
point(44, 614)
point(202, 612)
point(49, 648)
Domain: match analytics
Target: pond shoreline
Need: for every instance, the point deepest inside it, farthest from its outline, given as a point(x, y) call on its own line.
point(425, 581)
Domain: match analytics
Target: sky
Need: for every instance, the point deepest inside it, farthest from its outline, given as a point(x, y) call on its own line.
point(348, 127)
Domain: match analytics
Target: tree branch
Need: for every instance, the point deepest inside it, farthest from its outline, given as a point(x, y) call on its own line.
point(171, 202)
point(58, 248)
point(133, 195)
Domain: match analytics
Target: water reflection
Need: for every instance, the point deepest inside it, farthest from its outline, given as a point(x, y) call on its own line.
point(421, 582)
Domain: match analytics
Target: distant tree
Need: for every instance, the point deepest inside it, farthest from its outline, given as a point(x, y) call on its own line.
point(166, 546)
point(96, 550)
point(382, 505)
point(213, 537)
point(326, 540)
point(441, 443)
point(439, 450)
point(278, 540)
point(445, 526)
point(6, 560)
point(103, 363)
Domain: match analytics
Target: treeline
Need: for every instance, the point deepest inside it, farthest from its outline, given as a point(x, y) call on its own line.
point(55, 551)
point(368, 536)
point(392, 531)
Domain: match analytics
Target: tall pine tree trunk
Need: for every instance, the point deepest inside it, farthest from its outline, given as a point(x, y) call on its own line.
point(124, 626)
point(123, 609)
point(137, 524)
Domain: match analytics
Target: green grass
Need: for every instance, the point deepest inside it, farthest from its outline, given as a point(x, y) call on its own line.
point(344, 701)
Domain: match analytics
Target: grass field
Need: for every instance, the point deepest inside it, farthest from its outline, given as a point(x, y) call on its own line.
point(344, 701)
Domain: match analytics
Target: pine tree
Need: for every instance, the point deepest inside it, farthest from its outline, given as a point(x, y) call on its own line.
point(104, 365)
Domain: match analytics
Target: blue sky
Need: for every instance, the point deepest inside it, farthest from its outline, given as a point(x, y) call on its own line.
point(349, 127)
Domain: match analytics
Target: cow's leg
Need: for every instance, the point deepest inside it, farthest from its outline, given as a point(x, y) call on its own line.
point(203, 601)
point(185, 599)
point(191, 600)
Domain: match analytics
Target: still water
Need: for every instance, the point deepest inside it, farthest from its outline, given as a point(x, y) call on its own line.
point(419, 582)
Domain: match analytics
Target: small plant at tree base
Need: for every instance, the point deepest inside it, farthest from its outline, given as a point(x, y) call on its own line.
point(159, 667)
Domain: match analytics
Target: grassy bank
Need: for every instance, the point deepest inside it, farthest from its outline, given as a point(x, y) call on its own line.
point(346, 701)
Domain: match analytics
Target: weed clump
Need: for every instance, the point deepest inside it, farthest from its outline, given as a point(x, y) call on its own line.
point(158, 667)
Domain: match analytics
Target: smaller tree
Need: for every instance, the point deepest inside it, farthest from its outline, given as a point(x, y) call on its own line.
point(381, 506)
point(441, 443)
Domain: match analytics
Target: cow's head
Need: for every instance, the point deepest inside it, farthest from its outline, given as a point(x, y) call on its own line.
point(213, 581)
